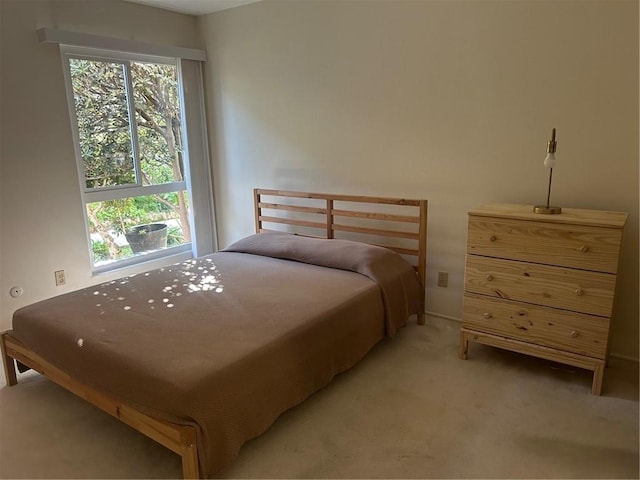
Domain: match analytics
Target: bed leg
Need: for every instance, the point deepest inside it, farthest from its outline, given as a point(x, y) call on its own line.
point(189, 454)
point(8, 363)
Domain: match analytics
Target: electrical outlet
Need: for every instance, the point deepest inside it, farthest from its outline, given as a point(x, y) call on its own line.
point(60, 278)
point(443, 279)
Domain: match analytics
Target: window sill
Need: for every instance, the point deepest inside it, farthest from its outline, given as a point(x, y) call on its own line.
point(146, 262)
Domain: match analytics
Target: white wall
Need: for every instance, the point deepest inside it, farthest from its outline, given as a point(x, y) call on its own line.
point(41, 218)
point(453, 101)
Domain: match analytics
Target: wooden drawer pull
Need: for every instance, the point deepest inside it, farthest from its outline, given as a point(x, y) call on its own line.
point(574, 334)
point(492, 238)
point(584, 248)
point(579, 292)
point(489, 277)
point(487, 315)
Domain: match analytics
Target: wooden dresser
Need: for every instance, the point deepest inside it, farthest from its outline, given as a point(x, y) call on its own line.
point(542, 285)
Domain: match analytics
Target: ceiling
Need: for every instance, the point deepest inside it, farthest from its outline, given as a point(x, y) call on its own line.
point(194, 7)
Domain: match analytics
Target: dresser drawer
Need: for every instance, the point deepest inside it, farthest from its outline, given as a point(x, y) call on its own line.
point(574, 332)
point(577, 246)
point(559, 287)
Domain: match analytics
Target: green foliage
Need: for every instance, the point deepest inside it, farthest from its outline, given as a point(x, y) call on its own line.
point(157, 105)
point(174, 237)
point(103, 122)
point(100, 251)
point(125, 213)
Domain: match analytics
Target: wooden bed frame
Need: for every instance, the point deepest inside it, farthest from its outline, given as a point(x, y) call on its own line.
point(286, 209)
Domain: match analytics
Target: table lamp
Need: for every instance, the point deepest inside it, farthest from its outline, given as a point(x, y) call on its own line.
point(549, 162)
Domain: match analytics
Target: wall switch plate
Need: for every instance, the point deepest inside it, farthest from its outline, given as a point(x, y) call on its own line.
point(443, 279)
point(60, 278)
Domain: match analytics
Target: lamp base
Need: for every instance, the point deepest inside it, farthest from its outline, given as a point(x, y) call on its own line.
point(547, 210)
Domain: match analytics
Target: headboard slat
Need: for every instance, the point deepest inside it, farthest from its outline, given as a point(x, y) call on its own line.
point(375, 231)
point(376, 216)
point(290, 221)
point(292, 208)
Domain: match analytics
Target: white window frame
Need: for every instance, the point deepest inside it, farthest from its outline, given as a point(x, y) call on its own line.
point(199, 191)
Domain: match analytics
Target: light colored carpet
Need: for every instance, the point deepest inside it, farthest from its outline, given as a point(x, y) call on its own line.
point(410, 409)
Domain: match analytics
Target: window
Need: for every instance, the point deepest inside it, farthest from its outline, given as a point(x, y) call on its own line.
point(132, 160)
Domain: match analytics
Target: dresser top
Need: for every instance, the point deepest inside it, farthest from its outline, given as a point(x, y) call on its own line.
point(572, 216)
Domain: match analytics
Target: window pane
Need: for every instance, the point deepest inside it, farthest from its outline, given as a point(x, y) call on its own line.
point(99, 91)
point(137, 225)
point(157, 104)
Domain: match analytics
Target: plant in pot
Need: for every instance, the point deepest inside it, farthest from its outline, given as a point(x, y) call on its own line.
point(145, 234)
point(133, 220)
point(138, 222)
point(150, 236)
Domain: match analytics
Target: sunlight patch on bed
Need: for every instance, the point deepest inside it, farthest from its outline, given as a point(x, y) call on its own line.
point(189, 277)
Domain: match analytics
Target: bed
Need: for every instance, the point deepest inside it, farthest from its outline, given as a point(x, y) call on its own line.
point(204, 355)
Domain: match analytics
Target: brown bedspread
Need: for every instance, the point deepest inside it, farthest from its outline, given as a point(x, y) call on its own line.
point(229, 341)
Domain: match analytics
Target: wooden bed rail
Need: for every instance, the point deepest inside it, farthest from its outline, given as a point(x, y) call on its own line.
point(181, 439)
point(288, 208)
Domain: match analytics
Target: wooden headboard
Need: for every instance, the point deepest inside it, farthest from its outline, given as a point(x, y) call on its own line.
point(398, 224)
